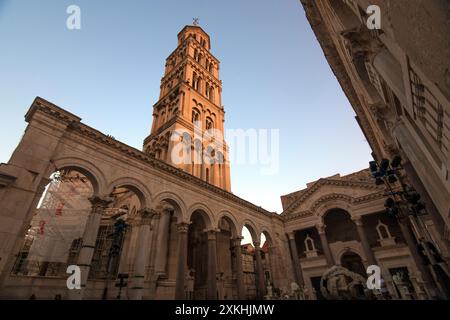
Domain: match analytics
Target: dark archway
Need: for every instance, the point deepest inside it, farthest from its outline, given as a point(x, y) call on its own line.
point(353, 262)
point(197, 260)
point(339, 226)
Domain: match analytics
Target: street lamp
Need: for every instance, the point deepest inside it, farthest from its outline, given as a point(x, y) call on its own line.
point(388, 173)
point(404, 205)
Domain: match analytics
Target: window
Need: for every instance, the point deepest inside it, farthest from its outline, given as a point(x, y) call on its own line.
point(195, 116)
point(198, 85)
point(211, 93)
point(209, 123)
point(207, 174)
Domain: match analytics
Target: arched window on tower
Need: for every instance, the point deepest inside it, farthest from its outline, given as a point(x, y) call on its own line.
point(194, 80)
point(209, 123)
point(195, 115)
point(198, 86)
point(195, 54)
point(211, 93)
point(207, 89)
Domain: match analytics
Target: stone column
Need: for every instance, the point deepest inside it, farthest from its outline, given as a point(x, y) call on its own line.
point(99, 204)
point(142, 253)
point(364, 242)
point(236, 244)
point(260, 287)
point(412, 245)
point(212, 265)
point(295, 260)
point(163, 239)
point(431, 209)
point(183, 229)
point(325, 246)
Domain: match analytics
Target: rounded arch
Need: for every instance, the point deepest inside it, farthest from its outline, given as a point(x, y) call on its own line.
point(331, 201)
point(134, 185)
point(205, 212)
point(351, 259)
point(252, 229)
point(349, 250)
point(339, 225)
point(87, 168)
point(174, 200)
point(268, 235)
point(228, 216)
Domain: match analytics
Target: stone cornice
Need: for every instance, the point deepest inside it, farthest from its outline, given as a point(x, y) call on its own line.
point(6, 180)
point(87, 132)
point(51, 109)
point(332, 197)
point(332, 182)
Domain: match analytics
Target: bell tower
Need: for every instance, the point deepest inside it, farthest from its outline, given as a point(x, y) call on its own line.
point(188, 119)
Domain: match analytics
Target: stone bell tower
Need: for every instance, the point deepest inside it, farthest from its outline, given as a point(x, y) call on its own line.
point(188, 119)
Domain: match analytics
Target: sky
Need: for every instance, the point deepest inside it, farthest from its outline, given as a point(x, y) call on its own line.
point(274, 75)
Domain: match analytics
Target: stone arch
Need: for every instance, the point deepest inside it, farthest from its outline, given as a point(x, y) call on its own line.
point(134, 185)
point(205, 212)
point(174, 200)
point(352, 249)
point(252, 229)
point(87, 168)
point(331, 201)
point(268, 235)
point(355, 263)
point(231, 220)
point(339, 225)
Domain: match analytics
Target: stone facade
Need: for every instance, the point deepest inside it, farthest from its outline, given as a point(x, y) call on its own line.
point(73, 195)
point(342, 221)
point(397, 80)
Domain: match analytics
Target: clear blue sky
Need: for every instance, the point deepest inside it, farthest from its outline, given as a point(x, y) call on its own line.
point(108, 73)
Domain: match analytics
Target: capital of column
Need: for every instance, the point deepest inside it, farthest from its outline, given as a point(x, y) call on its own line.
point(291, 235)
point(257, 245)
point(146, 215)
point(357, 220)
point(211, 233)
point(183, 227)
point(165, 208)
point(236, 242)
point(100, 203)
point(321, 228)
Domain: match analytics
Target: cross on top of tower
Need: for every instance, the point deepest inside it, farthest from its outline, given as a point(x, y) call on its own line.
point(195, 23)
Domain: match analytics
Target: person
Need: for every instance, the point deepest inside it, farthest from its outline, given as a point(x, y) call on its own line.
point(220, 286)
point(269, 291)
point(190, 285)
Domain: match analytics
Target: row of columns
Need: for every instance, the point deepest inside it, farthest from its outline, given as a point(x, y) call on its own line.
point(161, 218)
point(212, 263)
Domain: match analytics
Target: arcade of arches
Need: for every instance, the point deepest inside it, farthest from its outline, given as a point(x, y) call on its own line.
point(71, 195)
